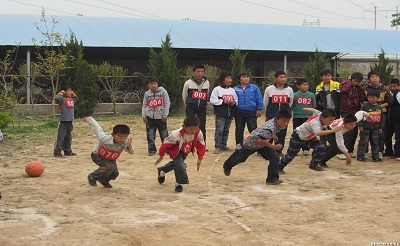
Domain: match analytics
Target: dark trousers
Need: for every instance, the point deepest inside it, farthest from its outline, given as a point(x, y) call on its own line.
point(350, 137)
point(295, 144)
point(241, 119)
point(107, 170)
point(373, 136)
point(151, 127)
point(179, 167)
point(240, 156)
point(296, 123)
point(390, 129)
point(332, 150)
point(381, 136)
point(64, 137)
point(201, 113)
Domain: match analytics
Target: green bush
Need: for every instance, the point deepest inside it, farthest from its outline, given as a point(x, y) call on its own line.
point(5, 119)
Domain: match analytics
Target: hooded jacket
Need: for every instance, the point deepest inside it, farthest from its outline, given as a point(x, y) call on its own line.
point(156, 104)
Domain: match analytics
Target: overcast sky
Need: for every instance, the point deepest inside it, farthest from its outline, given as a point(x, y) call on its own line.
point(329, 13)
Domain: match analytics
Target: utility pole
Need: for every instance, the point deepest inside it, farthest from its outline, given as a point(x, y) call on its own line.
point(383, 10)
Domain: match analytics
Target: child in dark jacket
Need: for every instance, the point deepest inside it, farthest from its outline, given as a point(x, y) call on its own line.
point(392, 124)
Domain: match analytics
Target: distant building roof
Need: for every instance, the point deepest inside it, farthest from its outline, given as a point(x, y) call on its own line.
point(145, 33)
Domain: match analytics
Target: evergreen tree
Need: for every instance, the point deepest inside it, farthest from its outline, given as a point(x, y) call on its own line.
point(238, 60)
point(383, 68)
point(314, 67)
point(164, 66)
point(80, 77)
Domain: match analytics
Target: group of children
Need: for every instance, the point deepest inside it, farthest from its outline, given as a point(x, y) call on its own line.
point(314, 116)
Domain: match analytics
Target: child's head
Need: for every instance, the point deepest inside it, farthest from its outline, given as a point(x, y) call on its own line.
point(225, 79)
point(374, 77)
point(191, 124)
point(280, 77)
point(326, 75)
point(349, 121)
point(372, 96)
point(67, 89)
point(394, 85)
point(152, 83)
point(302, 85)
point(120, 133)
point(327, 116)
point(282, 118)
point(198, 71)
point(356, 78)
point(243, 78)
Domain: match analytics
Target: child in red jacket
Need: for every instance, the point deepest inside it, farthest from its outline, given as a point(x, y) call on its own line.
point(178, 145)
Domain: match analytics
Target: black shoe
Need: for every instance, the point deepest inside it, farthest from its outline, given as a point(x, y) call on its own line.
point(70, 154)
point(362, 159)
point(159, 178)
point(178, 188)
point(227, 171)
point(91, 181)
point(273, 182)
point(388, 154)
point(377, 160)
point(151, 153)
point(281, 171)
point(58, 155)
point(106, 185)
point(323, 165)
point(316, 168)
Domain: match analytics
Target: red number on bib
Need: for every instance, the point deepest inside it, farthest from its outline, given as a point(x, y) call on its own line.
point(108, 154)
point(279, 99)
point(376, 116)
point(153, 103)
point(199, 95)
point(69, 103)
point(304, 101)
point(227, 97)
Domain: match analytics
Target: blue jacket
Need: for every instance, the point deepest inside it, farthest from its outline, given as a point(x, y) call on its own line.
point(249, 98)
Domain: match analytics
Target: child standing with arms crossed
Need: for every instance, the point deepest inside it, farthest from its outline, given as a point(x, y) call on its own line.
point(106, 153)
point(155, 110)
point(179, 144)
point(303, 98)
point(66, 100)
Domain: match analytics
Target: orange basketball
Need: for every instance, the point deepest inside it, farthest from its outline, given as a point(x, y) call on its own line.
point(34, 168)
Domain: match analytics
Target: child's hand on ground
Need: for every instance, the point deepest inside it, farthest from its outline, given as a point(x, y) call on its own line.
point(348, 161)
point(159, 160)
point(198, 164)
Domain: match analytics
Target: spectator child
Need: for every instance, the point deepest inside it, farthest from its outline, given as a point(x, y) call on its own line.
point(155, 110)
point(224, 99)
point(106, 153)
point(392, 124)
point(327, 93)
point(178, 145)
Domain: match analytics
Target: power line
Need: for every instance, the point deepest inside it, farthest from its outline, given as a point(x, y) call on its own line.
point(41, 7)
point(134, 9)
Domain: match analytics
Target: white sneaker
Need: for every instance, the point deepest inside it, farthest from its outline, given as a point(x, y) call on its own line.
point(341, 156)
point(238, 146)
point(217, 150)
point(353, 155)
point(306, 152)
point(380, 155)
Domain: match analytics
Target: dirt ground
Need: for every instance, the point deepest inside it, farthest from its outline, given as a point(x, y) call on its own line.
point(344, 205)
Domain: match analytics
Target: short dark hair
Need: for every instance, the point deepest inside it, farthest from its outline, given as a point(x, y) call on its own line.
point(349, 118)
point(191, 120)
point(123, 129)
point(242, 74)
point(283, 114)
point(279, 72)
point(325, 72)
point(65, 87)
point(373, 73)
point(358, 76)
point(223, 76)
point(301, 81)
point(373, 93)
point(151, 79)
point(198, 66)
point(394, 81)
point(328, 112)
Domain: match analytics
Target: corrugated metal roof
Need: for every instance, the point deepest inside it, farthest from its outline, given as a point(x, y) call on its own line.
point(135, 32)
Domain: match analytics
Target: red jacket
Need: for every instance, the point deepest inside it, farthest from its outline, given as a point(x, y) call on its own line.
point(176, 141)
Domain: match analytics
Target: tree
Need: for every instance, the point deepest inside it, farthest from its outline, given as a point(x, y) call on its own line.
point(383, 68)
point(396, 20)
point(8, 95)
point(238, 60)
point(111, 77)
point(50, 58)
point(79, 75)
point(164, 66)
point(314, 67)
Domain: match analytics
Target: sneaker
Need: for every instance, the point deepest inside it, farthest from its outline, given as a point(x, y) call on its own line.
point(70, 154)
point(398, 158)
point(178, 188)
point(106, 185)
point(273, 182)
point(323, 165)
point(58, 155)
point(151, 153)
point(380, 155)
point(341, 156)
point(281, 171)
point(225, 148)
point(217, 150)
point(353, 155)
point(316, 168)
point(159, 178)
point(239, 146)
point(227, 171)
point(306, 152)
point(362, 159)
point(92, 182)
